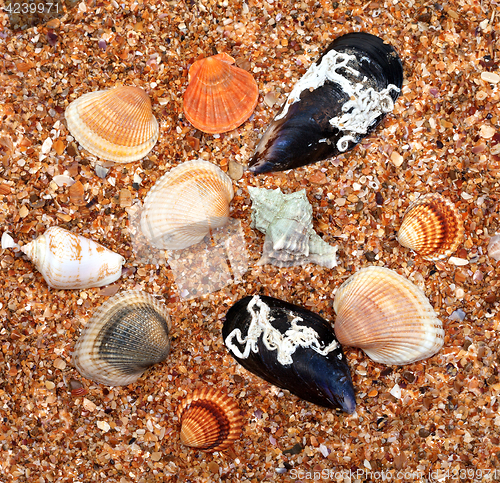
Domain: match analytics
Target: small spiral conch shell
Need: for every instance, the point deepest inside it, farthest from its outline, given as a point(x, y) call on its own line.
point(432, 226)
point(116, 124)
point(494, 247)
point(210, 420)
point(220, 96)
point(387, 316)
point(185, 204)
point(127, 334)
point(70, 261)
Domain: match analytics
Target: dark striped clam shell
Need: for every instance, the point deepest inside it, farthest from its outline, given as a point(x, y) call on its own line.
point(125, 336)
point(291, 348)
point(210, 420)
point(334, 105)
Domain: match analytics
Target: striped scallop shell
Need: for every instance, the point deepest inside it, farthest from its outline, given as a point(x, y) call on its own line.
point(127, 334)
point(185, 204)
point(70, 261)
point(494, 247)
point(220, 96)
point(116, 124)
point(387, 316)
point(432, 226)
point(210, 420)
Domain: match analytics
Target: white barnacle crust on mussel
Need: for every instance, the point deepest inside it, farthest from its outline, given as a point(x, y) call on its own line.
point(127, 334)
point(286, 220)
point(340, 99)
point(291, 348)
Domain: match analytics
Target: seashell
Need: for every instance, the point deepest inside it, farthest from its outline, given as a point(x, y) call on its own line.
point(220, 96)
point(127, 334)
point(432, 226)
point(70, 261)
point(185, 204)
point(286, 220)
point(494, 247)
point(387, 316)
point(291, 348)
point(210, 420)
point(116, 124)
point(340, 99)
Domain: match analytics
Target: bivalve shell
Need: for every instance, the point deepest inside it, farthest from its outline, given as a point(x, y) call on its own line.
point(127, 334)
point(186, 204)
point(387, 316)
point(211, 420)
point(220, 96)
point(116, 124)
point(70, 261)
point(494, 247)
point(432, 226)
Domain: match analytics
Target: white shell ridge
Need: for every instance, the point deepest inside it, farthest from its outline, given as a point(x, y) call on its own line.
point(127, 334)
point(185, 204)
point(387, 316)
point(70, 261)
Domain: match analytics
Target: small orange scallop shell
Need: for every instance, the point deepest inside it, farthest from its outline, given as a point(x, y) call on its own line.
point(211, 420)
point(387, 316)
point(220, 96)
point(116, 124)
point(432, 226)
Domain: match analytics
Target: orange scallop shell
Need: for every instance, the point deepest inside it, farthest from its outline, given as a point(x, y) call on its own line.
point(220, 96)
point(211, 420)
point(432, 226)
point(116, 124)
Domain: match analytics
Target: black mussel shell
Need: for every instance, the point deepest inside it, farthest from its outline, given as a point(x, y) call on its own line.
point(304, 135)
point(323, 379)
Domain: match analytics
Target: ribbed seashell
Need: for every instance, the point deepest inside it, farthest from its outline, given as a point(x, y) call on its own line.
point(387, 316)
point(432, 226)
point(290, 347)
point(70, 261)
point(341, 98)
point(286, 220)
point(210, 420)
point(220, 96)
point(127, 334)
point(116, 124)
point(494, 247)
point(185, 204)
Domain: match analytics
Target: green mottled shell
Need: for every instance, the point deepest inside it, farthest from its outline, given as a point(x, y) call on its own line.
point(126, 335)
point(286, 220)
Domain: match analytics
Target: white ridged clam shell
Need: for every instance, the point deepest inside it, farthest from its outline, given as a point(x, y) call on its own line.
point(115, 124)
point(185, 204)
point(70, 261)
point(127, 334)
point(494, 247)
point(387, 316)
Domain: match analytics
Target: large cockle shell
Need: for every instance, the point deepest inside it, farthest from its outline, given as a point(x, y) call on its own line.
point(286, 220)
point(387, 316)
point(494, 247)
point(210, 420)
point(432, 226)
point(220, 96)
point(127, 334)
point(291, 348)
point(116, 124)
point(185, 204)
point(340, 99)
point(70, 261)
